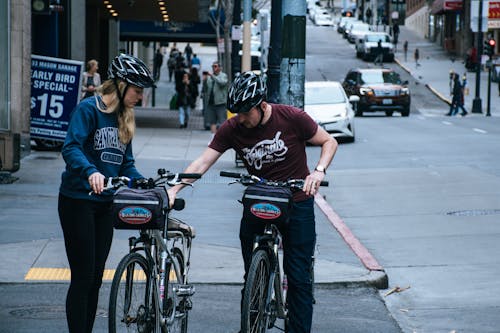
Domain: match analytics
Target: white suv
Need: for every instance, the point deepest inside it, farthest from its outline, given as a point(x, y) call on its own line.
point(366, 47)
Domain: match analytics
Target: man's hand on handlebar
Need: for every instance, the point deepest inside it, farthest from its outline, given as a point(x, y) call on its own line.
point(312, 182)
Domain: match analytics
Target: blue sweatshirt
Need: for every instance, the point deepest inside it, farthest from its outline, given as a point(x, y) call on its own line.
point(92, 145)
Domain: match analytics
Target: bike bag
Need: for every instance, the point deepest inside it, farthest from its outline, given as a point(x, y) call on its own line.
point(265, 203)
point(139, 209)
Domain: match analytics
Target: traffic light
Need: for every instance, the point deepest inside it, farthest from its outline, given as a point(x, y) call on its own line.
point(40, 7)
point(489, 47)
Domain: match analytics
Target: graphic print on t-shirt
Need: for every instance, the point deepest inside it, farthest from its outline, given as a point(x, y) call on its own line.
point(106, 138)
point(266, 151)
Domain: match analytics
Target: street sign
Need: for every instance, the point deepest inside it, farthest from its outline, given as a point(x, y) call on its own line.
point(474, 12)
point(55, 91)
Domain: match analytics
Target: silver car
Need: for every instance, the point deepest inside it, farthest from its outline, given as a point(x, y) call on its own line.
point(328, 105)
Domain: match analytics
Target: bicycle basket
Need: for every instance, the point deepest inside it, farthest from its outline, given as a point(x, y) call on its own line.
point(139, 209)
point(265, 203)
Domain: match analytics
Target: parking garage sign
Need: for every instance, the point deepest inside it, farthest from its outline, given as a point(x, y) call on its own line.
point(55, 91)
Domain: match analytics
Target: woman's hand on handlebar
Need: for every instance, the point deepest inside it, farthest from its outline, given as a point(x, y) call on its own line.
point(171, 196)
point(312, 182)
point(96, 181)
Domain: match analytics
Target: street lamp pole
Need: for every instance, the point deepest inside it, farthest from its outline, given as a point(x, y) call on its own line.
point(476, 103)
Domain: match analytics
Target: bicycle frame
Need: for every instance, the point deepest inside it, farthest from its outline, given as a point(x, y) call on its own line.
point(270, 240)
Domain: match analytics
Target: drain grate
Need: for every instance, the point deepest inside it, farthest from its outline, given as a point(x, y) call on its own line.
point(474, 212)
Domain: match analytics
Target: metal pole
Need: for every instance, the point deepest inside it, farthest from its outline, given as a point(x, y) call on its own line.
point(247, 35)
point(235, 45)
point(293, 52)
point(488, 108)
point(476, 103)
point(274, 56)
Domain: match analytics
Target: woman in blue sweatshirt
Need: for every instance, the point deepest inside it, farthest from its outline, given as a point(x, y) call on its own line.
point(98, 145)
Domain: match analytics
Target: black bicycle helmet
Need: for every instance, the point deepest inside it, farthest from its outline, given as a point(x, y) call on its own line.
point(132, 70)
point(247, 91)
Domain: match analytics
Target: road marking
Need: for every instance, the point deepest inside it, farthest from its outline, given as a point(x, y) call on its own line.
point(479, 130)
point(446, 122)
point(359, 249)
point(64, 274)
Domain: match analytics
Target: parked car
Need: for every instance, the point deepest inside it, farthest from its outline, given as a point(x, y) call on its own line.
point(366, 47)
point(357, 31)
point(323, 18)
point(343, 21)
point(327, 103)
point(379, 89)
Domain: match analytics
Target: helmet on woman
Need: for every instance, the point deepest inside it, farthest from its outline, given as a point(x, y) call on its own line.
point(247, 91)
point(132, 70)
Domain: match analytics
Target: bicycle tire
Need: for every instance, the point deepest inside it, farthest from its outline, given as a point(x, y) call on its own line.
point(173, 303)
point(131, 302)
point(253, 313)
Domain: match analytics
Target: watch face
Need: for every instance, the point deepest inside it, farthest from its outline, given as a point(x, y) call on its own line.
point(38, 5)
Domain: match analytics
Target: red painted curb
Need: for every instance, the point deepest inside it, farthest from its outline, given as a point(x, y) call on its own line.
point(359, 249)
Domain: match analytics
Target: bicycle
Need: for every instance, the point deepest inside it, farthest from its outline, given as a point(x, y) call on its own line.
point(264, 296)
point(150, 292)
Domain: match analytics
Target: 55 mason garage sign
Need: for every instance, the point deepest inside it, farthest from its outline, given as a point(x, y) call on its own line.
point(55, 91)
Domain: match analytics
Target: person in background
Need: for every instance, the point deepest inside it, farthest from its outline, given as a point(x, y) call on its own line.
point(157, 62)
point(379, 58)
point(416, 56)
point(186, 99)
point(216, 93)
point(98, 144)
point(188, 51)
point(195, 62)
point(271, 139)
point(457, 100)
point(90, 79)
point(405, 50)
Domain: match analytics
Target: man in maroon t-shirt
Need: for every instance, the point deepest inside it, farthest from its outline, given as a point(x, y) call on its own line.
point(271, 140)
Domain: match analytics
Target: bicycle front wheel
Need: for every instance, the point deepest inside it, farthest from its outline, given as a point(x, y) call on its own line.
point(253, 314)
point(131, 302)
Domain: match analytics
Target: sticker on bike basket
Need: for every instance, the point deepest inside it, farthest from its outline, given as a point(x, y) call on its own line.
point(135, 215)
point(265, 210)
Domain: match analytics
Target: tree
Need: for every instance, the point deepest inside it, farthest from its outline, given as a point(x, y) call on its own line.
point(223, 7)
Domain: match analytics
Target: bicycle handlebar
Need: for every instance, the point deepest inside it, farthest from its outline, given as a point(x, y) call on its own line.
point(247, 179)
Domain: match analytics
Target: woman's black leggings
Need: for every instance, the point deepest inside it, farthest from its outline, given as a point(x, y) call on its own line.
point(88, 231)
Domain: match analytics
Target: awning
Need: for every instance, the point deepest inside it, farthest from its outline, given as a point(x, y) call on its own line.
point(439, 7)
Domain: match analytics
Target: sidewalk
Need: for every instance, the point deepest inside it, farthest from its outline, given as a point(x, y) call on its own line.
point(32, 246)
point(434, 70)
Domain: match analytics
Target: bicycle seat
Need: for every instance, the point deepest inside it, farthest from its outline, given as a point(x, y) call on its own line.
point(177, 225)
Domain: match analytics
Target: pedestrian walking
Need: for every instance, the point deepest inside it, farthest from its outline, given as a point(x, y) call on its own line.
point(379, 58)
point(395, 32)
point(416, 55)
point(271, 139)
point(171, 62)
point(188, 51)
point(98, 145)
point(451, 80)
point(457, 100)
point(216, 93)
point(405, 50)
point(90, 79)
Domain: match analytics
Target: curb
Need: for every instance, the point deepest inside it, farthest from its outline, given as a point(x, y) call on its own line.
point(378, 277)
point(428, 86)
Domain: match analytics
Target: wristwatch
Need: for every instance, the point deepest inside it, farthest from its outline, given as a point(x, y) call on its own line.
point(321, 168)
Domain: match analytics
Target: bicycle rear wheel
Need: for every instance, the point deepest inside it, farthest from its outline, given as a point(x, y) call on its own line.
point(176, 306)
point(253, 313)
point(131, 302)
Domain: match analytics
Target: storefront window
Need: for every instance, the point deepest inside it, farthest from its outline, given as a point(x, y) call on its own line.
point(4, 63)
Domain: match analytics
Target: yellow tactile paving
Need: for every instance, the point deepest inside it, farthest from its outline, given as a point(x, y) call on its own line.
point(64, 274)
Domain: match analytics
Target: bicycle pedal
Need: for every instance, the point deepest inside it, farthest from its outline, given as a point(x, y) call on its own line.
point(185, 290)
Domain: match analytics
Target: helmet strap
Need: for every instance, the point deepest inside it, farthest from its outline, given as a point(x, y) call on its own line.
point(120, 95)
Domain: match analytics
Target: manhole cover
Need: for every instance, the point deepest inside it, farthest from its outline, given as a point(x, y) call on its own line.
point(46, 312)
point(474, 212)
point(40, 312)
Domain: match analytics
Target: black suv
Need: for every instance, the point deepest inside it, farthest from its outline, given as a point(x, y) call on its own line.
point(379, 89)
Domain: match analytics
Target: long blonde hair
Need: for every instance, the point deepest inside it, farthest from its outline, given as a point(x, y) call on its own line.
point(126, 118)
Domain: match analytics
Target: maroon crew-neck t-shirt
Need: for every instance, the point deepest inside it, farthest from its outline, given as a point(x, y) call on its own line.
point(275, 150)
